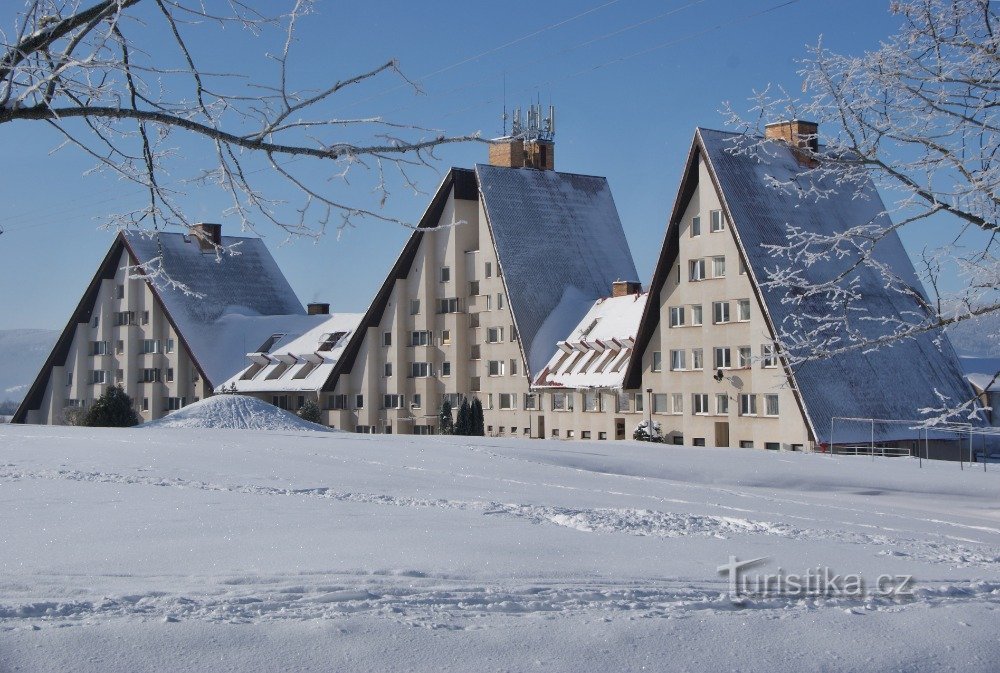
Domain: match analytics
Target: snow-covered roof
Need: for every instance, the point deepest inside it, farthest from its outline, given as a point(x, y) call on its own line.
point(984, 382)
point(893, 382)
point(560, 245)
point(595, 352)
point(297, 362)
point(222, 306)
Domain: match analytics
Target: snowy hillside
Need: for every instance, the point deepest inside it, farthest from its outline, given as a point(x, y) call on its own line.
point(234, 412)
point(22, 352)
point(211, 550)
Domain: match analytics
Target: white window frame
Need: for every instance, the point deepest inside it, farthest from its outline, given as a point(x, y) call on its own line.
point(744, 355)
point(697, 359)
point(719, 266)
point(677, 403)
point(768, 356)
point(677, 316)
point(696, 270)
point(742, 310)
point(656, 362)
point(699, 404)
point(748, 404)
point(717, 221)
point(678, 360)
point(722, 404)
point(695, 226)
point(726, 359)
point(720, 313)
point(768, 399)
point(495, 367)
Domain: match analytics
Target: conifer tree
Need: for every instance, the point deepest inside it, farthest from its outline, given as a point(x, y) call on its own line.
point(310, 411)
point(478, 421)
point(113, 409)
point(446, 424)
point(463, 426)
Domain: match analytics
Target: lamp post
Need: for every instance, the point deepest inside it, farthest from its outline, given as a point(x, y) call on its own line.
point(649, 402)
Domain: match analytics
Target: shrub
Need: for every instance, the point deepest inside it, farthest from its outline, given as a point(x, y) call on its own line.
point(113, 409)
point(310, 412)
point(643, 434)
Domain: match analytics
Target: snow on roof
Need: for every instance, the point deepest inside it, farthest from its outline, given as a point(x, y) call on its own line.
point(560, 245)
point(984, 382)
point(221, 321)
point(595, 351)
point(893, 382)
point(298, 362)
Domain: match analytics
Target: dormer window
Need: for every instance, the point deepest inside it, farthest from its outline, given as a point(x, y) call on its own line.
point(269, 343)
point(329, 341)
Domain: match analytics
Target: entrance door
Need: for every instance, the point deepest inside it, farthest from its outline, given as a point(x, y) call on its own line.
point(541, 427)
point(619, 428)
point(722, 433)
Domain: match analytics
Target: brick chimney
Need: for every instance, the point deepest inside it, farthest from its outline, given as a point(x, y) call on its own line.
point(622, 288)
point(519, 153)
point(318, 309)
point(209, 235)
point(801, 136)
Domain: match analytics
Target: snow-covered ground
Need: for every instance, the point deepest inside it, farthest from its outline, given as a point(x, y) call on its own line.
point(234, 412)
point(216, 550)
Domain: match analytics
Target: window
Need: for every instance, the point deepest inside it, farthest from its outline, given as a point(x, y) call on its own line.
point(95, 322)
point(420, 370)
point(744, 354)
point(720, 312)
point(495, 367)
point(676, 316)
point(772, 446)
point(280, 401)
point(489, 405)
point(473, 320)
point(696, 269)
point(423, 429)
point(570, 434)
point(591, 400)
point(99, 376)
point(513, 367)
point(474, 384)
point(555, 432)
point(120, 292)
point(175, 403)
point(622, 404)
point(170, 374)
point(417, 402)
point(386, 338)
point(69, 378)
point(494, 335)
point(530, 402)
point(697, 359)
point(454, 398)
point(414, 307)
point(660, 403)
point(699, 403)
point(359, 401)
point(746, 444)
point(499, 300)
point(562, 402)
point(124, 318)
point(696, 314)
point(446, 337)
point(170, 346)
point(718, 224)
point(718, 267)
point(638, 402)
point(445, 369)
point(149, 376)
point(387, 369)
point(145, 404)
point(150, 346)
point(119, 347)
point(768, 356)
point(585, 434)
point(677, 360)
point(723, 359)
point(722, 403)
point(393, 401)
point(602, 435)
point(489, 270)
point(748, 404)
point(698, 441)
point(445, 274)
point(770, 405)
point(677, 403)
point(475, 352)
point(119, 375)
point(336, 402)
point(506, 400)
point(657, 365)
point(695, 226)
point(743, 310)
point(420, 338)
point(513, 334)
point(100, 348)
point(145, 317)
point(448, 305)
point(473, 288)
point(329, 341)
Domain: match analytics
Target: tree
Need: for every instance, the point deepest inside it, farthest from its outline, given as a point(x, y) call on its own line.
point(113, 409)
point(446, 424)
point(644, 434)
point(98, 74)
point(463, 425)
point(310, 412)
point(917, 117)
point(478, 421)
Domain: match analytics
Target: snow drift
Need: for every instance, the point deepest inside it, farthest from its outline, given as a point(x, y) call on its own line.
point(234, 412)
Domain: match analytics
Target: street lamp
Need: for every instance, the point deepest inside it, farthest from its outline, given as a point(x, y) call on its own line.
point(649, 402)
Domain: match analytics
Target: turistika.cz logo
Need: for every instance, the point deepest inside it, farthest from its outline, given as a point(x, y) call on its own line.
point(819, 581)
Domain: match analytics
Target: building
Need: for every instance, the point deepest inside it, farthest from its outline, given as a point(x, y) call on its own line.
point(168, 343)
point(705, 346)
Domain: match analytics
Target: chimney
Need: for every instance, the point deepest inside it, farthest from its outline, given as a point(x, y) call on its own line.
point(530, 143)
point(623, 288)
point(801, 136)
point(209, 235)
point(318, 309)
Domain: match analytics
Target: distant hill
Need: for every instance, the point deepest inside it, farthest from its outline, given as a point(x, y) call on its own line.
point(22, 352)
point(979, 338)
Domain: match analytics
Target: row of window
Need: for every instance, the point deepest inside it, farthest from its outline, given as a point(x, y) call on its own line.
point(420, 370)
point(722, 358)
point(122, 319)
point(146, 347)
point(171, 403)
point(146, 375)
point(452, 304)
point(692, 315)
point(494, 335)
point(716, 223)
point(445, 273)
point(673, 403)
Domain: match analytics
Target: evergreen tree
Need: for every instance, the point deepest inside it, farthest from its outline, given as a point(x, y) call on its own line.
point(463, 426)
point(310, 412)
point(113, 409)
point(445, 422)
point(478, 421)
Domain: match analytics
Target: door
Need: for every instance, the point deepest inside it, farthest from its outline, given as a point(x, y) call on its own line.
point(722, 433)
point(619, 428)
point(541, 427)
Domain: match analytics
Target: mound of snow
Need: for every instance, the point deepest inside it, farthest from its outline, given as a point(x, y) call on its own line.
point(234, 412)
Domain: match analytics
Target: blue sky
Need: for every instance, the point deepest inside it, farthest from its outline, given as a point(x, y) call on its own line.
point(631, 79)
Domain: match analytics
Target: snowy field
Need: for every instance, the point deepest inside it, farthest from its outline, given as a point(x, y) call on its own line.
point(223, 550)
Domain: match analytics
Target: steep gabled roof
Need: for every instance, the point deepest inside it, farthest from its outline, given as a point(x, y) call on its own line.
point(560, 246)
point(894, 382)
